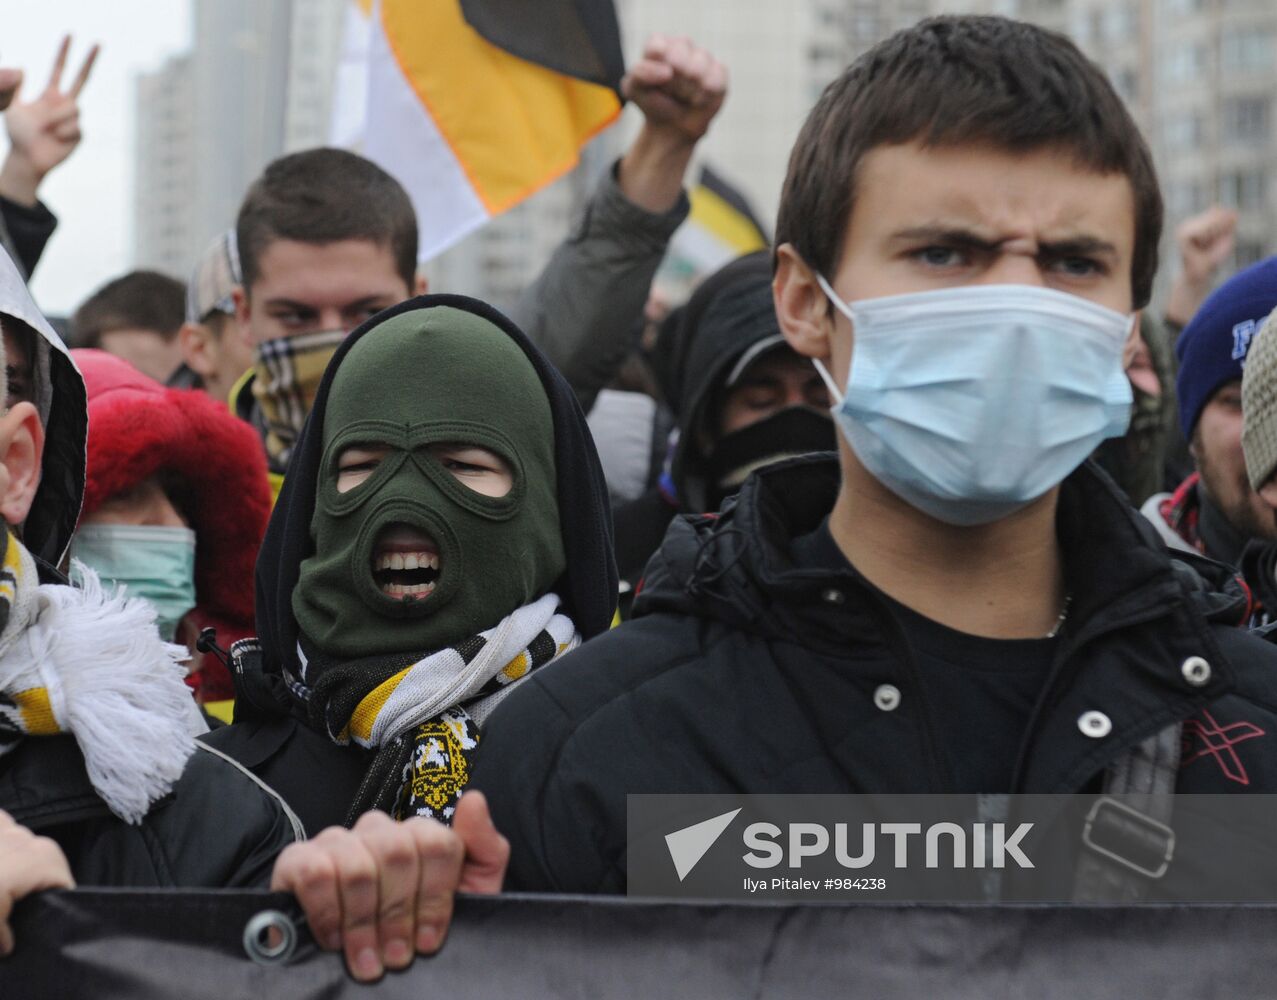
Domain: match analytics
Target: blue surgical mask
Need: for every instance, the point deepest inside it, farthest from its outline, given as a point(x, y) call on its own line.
point(154, 563)
point(969, 403)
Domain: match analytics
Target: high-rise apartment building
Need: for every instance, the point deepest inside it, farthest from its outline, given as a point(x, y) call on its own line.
point(256, 83)
point(1214, 81)
point(1200, 77)
point(314, 49)
point(164, 163)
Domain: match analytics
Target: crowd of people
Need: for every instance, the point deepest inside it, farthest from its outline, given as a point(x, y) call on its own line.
point(313, 577)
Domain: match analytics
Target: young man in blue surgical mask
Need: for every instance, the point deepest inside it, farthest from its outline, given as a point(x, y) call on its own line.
point(958, 602)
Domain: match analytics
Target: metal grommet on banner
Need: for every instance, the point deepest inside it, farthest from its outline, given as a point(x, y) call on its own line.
point(270, 937)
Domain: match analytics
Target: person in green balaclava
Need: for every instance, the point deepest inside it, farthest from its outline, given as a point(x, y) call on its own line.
point(424, 492)
point(435, 571)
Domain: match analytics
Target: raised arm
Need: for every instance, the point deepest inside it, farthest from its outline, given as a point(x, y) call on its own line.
point(586, 308)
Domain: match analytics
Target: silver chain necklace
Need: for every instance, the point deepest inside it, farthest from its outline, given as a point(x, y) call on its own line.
point(1064, 614)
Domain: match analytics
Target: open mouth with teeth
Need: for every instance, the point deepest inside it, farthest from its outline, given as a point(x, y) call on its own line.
point(405, 563)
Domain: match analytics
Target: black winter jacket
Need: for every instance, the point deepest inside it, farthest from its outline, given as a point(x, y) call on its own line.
point(318, 778)
point(217, 828)
point(743, 672)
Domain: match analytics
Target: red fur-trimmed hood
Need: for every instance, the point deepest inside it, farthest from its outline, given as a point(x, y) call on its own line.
point(138, 428)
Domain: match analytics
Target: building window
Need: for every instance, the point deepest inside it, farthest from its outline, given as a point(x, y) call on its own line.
point(1184, 62)
point(1245, 119)
point(1248, 252)
point(1120, 22)
point(1183, 131)
point(1242, 189)
point(1245, 50)
point(1127, 84)
point(1080, 28)
point(1184, 198)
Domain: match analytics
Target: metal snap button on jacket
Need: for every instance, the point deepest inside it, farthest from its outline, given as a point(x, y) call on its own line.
point(1196, 671)
point(833, 595)
point(887, 697)
point(1095, 724)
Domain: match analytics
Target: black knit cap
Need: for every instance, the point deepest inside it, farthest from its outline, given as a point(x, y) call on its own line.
point(699, 346)
point(699, 342)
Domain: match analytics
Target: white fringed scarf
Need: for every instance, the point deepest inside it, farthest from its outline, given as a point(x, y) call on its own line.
point(81, 661)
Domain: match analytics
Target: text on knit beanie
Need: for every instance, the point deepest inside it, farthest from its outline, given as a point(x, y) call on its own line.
point(1213, 347)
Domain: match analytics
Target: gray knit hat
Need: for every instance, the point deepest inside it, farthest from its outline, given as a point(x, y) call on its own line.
point(1259, 404)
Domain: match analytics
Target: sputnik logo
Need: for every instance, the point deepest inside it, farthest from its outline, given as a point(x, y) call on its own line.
point(688, 845)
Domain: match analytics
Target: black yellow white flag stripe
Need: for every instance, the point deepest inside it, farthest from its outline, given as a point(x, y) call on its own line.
point(469, 128)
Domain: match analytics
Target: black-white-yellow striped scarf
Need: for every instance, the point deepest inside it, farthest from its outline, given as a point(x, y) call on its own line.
point(423, 714)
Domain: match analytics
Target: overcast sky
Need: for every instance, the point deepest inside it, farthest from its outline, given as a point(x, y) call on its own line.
point(91, 192)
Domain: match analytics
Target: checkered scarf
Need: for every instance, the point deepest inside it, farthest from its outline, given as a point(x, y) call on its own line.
point(288, 371)
point(422, 714)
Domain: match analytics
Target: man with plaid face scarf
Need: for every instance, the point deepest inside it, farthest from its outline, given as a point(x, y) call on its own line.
point(326, 239)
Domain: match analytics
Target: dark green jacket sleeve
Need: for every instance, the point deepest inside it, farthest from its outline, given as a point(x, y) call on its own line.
point(585, 310)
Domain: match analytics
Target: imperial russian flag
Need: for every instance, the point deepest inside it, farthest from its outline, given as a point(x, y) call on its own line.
point(473, 105)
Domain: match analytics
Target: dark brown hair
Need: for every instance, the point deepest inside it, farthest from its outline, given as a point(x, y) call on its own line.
point(139, 300)
point(324, 196)
point(961, 80)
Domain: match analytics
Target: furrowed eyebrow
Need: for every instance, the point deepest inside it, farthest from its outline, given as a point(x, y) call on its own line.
point(1075, 246)
point(364, 303)
point(948, 235)
point(1080, 246)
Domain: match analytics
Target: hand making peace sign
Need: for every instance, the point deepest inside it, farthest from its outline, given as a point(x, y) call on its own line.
point(43, 131)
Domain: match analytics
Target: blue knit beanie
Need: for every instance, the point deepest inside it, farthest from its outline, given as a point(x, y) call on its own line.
point(1212, 348)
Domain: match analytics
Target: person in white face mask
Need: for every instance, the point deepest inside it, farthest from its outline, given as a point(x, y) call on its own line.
point(959, 601)
point(175, 507)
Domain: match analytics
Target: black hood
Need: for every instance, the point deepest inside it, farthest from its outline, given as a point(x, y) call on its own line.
point(736, 567)
point(58, 393)
point(699, 344)
point(588, 586)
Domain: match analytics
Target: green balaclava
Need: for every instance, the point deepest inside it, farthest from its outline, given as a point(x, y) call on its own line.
point(427, 377)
